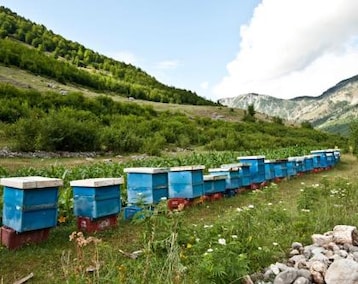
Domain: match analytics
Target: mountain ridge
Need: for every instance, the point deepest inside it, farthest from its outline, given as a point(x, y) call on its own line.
point(334, 107)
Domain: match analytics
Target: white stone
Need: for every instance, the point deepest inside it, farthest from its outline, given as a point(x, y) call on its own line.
point(321, 240)
point(342, 271)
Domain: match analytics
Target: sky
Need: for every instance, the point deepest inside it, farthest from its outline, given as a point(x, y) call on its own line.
point(218, 49)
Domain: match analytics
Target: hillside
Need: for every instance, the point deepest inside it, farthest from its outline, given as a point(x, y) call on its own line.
point(332, 111)
point(34, 48)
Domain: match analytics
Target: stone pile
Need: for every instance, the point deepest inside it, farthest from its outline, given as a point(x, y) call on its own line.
point(331, 259)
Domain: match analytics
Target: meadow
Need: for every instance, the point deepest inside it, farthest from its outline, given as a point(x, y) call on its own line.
point(215, 242)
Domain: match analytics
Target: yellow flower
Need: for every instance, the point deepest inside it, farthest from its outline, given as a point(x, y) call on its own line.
point(188, 245)
point(62, 219)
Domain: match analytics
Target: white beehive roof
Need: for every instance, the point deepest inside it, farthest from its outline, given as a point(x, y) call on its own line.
point(97, 182)
point(31, 182)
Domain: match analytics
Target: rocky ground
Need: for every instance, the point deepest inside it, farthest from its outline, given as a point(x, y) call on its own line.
point(332, 258)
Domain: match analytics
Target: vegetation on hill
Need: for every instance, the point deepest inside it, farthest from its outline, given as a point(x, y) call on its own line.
point(49, 121)
point(34, 48)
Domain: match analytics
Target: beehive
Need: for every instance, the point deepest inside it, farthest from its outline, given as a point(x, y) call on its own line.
point(232, 173)
point(186, 182)
point(214, 183)
point(146, 185)
point(30, 203)
point(97, 197)
point(257, 167)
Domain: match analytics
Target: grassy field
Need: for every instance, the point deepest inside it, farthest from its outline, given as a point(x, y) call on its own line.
point(184, 247)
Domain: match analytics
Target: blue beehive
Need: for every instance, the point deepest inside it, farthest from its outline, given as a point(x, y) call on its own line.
point(186, 182)
point(214, 183)
point(30, 203)
point(323, 158)
point(146, 185)
point(331, 159)
point(299, 162)
point(308, 160)
point(316, 161)
point(97, 197)
point(277, 165)
point(269, 170)
point(245, 175)
point(283, 163)
point(291, 168)
point(257, 167)
point(233, 172)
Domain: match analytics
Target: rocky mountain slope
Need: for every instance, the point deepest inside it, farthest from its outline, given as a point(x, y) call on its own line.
point(331, 111)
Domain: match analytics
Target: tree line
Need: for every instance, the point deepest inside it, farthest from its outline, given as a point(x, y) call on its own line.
point(33, 120)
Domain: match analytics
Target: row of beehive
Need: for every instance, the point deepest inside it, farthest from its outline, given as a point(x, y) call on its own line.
point(30, 203)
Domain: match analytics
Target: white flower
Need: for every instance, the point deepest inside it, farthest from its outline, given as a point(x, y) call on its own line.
point(210, 250)
point(251, 206)
point(163, 198)
point(269, 204)
point(275, 244)
point(302, 190)
point(305, 210)
point(238, 209)
point(259, 248)
point(197, 240)
point(234, 236)
point(222, 242)
point(302, 183)
point(208, 226)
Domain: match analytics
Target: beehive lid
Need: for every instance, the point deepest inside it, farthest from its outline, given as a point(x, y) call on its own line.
point(31, 182)
point(298, 158)
point(214, 177)
point(251, 157)
point(318, 151)
point(227, 169)
point(97, 182)
point(308, 156)
point(269, 161)
point(233, 165)
point(146, 170)
point(187, 168)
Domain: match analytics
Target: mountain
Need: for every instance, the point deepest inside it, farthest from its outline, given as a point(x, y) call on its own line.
point(34, 48)
point(332, 111)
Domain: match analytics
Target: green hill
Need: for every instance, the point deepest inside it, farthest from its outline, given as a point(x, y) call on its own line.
point(33, 47)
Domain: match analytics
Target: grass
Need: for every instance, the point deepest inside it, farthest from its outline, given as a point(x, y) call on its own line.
point(258, 228)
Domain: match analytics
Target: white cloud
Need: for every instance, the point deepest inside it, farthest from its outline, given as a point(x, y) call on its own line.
point(294, 48)
point(204, 85)
point(167, 64)
point(125, 56)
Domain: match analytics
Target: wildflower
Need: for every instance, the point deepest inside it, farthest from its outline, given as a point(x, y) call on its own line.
point(305, 210)
point(189, 245)
point(275, 244)
point(238, 209)
point(222, 242)
point(234, 236)
point(62, 219)
point(302, 190)
point(197, 240)
point(302, 183)
point(163, 198)
point(251, 206)
point(259, 248)
point(208, 226)
point(269, 204)
point(210, 250)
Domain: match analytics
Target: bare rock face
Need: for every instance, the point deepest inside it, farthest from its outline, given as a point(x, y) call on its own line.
point(342, 271)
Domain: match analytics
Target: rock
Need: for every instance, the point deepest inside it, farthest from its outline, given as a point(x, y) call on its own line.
point(321, 240)
point(304, 273)
point(247, 280)
point(342, 253)
point(274, 268)
point(297, 245)
point(343, 234)
point(294, 252)
point(298, 261)
point(342, 271)
point(286, 277)
point(318, 270)
point(302, 280)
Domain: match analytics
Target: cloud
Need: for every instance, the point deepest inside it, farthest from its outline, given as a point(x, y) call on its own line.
point(167, 64)
point(125, 56)
point(294, 48)
point(204, 85)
